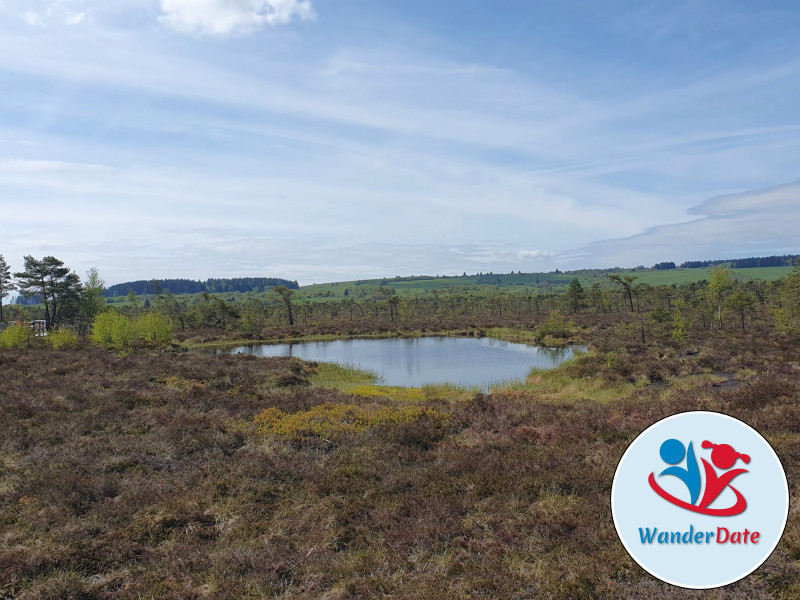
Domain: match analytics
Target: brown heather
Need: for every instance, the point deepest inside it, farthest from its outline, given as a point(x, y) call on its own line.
point(146, 476)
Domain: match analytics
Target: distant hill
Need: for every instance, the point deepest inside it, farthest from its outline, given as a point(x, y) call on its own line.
point(787, 260)
point(190, 286)
point(769, 268)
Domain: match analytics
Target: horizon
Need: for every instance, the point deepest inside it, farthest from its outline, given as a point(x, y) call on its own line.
point(337, 140)
point(13, 295)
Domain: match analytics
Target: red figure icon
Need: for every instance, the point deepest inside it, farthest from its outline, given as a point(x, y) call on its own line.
point(724, 457)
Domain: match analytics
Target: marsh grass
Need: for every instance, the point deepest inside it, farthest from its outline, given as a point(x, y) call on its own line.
point(340, 377)
point(571, 381)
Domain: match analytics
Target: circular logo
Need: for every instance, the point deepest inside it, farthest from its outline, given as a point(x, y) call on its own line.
point(700, 500)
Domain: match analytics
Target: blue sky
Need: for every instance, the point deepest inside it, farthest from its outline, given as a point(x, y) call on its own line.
point(326, 140)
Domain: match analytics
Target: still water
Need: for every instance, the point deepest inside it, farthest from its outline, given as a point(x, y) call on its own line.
point(415, 362)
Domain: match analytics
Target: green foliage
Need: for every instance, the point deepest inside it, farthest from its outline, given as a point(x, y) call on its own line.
point(92, 300)
point(625, 282)
point(742, 305)
point(58, 288)
point(254, 318)
point(16, 336)
point(787, 317)
point(6, 283)
point(213, 312)
point(555, 326)
point(576, 299)
point(680, 324)
point(63, 339)
point(286, 295)
point(114, 330)
point(718, 288)
point(153, 329)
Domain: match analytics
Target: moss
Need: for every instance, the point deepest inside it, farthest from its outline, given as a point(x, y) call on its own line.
point(333, 419)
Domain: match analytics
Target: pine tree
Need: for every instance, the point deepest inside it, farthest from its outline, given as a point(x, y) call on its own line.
point(576, 296)
point(59, 288)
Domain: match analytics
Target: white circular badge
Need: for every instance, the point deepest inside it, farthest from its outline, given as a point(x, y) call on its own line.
point(700, 500)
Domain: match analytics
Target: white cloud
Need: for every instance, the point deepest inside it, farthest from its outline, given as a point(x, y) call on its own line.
point(32, 18)
point(535, 255)
point(231, 17)
point(74, 18)
point(756, 223)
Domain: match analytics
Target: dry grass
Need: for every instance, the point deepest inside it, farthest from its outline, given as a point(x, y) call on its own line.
point(139, 477)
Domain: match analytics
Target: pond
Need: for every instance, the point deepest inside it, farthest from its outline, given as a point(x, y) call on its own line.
point(413, 362)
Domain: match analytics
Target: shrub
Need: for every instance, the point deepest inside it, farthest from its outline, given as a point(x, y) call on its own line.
point(153, 330)
point(555, 326)
point(63, 339)
point(113, 330)
point(15, 336)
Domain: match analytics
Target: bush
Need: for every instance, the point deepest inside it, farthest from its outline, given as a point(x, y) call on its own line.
point(15, 336)
point(63, 339)
point(555, 326)
point(153, 330)
point(113, 330)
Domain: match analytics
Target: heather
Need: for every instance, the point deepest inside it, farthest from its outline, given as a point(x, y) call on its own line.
point(157, 474)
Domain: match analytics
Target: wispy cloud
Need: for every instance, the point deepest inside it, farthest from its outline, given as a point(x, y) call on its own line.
point(365, 144)
point(756, 223)
point(231, 17)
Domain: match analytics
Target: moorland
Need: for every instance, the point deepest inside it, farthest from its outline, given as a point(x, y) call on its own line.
point(133, 467)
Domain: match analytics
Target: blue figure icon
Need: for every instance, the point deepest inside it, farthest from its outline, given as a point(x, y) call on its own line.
point(672, 452)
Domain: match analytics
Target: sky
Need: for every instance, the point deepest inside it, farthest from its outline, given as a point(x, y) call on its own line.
point(329, 140)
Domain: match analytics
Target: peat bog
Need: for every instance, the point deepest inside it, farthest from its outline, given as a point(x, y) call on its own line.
point(175, 475)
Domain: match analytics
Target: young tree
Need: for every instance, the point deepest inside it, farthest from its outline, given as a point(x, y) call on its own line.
point(680, 324)
point(171, 306)
point(59, 289)
point(718, 287)
point(742, 304)
point(92, 301)
point(787, 315)
point(6, 283)
point(576, 296)
point(625, 282)
point(286, 294)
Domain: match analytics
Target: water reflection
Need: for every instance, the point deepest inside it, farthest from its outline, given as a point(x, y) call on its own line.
point(418, 361)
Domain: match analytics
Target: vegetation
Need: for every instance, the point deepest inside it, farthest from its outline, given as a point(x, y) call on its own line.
point(117, 331)
point(786, 260)
point(63, 339)
point(132, 469)
point(16, 336)
point(7, 284)
point(190, 286)
point(175, 475)
point(50, 280)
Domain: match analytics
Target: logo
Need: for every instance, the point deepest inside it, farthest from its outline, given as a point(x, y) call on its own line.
point(699, 500)
point(723, 457)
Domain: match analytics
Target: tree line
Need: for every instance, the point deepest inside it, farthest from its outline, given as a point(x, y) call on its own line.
point(786, 260)
point(721, 302)
point(190, 286)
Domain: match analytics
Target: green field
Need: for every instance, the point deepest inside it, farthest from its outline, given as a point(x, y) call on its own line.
point(517, 282)
point(540, 283)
